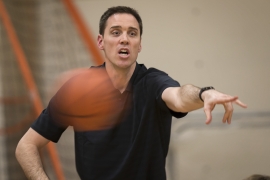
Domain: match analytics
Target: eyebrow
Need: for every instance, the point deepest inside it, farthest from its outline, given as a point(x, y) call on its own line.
point(119, 27)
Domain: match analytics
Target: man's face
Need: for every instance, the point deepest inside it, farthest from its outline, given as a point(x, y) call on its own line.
point(121, 41)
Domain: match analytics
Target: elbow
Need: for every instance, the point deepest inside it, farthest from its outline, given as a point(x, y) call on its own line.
point(18, 150)
point(22, 149)
point(181, 108)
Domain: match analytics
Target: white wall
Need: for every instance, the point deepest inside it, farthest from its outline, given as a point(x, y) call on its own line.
point(212, 42)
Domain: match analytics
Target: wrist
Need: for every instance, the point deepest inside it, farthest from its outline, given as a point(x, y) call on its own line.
point(204, 89)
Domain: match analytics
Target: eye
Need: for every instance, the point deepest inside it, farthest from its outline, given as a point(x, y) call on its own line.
point(133, 33)
point(115, 32)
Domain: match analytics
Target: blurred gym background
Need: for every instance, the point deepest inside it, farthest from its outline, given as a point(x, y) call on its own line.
point(220, 43)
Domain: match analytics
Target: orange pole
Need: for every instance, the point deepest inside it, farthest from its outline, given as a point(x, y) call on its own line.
point(18, 126)
point(28, 78)
point(85, 33)
point(14, 100)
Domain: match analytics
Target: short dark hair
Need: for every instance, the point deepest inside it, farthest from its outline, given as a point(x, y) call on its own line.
point(258, 177)
point(118, 10)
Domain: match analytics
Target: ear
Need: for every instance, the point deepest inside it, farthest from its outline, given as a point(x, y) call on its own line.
point(140, 48)
point(100, 42)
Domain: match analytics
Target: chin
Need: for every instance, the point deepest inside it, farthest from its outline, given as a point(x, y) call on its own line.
point(125, 64)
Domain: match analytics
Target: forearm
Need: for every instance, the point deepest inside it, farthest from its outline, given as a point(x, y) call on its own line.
point(189, 98)
point(182, 99)
point(29, 159)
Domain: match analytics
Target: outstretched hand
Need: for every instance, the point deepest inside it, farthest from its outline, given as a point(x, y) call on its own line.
point(213, 97)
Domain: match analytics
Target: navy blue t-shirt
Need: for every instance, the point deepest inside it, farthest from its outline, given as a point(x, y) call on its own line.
point(135, 149)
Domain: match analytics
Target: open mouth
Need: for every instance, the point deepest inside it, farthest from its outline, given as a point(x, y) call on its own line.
point(124, 52)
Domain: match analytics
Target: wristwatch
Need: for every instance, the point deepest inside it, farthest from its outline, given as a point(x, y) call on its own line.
point(204, 89)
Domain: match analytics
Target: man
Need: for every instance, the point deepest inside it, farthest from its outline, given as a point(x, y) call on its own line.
point(137, 147)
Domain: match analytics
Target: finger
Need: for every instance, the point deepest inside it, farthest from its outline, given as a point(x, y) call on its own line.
point(208, 115)
point(230, 118)
point(226, 99)
point(239, 103)
point(228, 113)
point(225, 116)
point(233, 99)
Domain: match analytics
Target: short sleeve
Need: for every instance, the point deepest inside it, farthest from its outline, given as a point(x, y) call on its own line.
point(45, 126)
point(157, 82)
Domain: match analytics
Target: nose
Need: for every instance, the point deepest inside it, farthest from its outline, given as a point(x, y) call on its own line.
point(124, 39)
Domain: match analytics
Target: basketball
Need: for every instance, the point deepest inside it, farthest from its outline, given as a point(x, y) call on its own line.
point(87, 101)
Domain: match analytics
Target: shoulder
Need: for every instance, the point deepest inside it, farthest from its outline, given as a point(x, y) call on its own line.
point(155, 72)
point(149, 74)
point(154, 75)
point(154, 80)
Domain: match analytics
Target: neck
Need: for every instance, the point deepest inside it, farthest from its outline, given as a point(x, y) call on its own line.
point(120, 76)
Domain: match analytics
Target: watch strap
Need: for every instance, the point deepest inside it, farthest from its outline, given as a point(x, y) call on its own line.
point(204, 89)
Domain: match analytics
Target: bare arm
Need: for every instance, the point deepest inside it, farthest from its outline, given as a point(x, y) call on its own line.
point(186, 99)
point(27, 154)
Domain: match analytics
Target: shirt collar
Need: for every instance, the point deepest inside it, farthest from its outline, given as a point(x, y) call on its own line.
point(139, 69)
